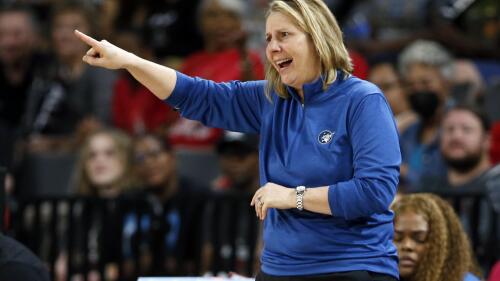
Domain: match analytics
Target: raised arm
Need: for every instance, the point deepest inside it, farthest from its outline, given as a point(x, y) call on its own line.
point(158, 79)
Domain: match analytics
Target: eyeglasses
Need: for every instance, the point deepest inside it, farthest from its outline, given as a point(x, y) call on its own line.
point(142, 157)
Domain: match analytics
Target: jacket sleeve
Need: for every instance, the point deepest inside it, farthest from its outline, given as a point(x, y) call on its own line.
point(376, 160)
point(234, 106)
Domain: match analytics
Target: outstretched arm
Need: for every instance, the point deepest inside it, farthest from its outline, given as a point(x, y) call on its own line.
point(158, 79)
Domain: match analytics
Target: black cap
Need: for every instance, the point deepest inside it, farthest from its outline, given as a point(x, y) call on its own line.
point(234, 143)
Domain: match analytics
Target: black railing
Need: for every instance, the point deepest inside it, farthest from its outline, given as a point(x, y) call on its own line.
point(189, 236)
point(139, 237)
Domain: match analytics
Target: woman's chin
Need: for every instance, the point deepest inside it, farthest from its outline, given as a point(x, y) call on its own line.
point(406, 272)
point(290, 83)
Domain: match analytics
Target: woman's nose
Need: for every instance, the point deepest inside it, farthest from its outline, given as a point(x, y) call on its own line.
point(274, 46)
point(407, 244)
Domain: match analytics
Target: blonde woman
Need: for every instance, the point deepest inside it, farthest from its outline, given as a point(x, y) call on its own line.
point(104, 166)
point(431, 242)
point(104, 170)
point(329, 151)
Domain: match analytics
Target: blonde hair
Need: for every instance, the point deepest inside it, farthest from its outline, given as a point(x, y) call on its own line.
point(314, 18)
point(449, 255)
point(123, 146)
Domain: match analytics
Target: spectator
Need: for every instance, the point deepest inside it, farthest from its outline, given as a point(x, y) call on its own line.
point(230, 228)
point(431, 243)
point(104, 170)
point(75, 97)
point(170, 25)
point(384, 27)
point(104, 167)
point(465, 142)
point(20, 65)
point(239, 162)
point(464, 145)
point(135, 109)
point(18, 263)
point(426, 67)
point(386, 77)
point(224, 58)
point(175, 210)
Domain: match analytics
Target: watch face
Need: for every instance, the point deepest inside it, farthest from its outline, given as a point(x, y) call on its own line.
point(301, 188)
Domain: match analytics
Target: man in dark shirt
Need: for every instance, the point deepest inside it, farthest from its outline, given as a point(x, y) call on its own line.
point(465, 145)
point(231, 232)
point(17, 72)
point(17, 263)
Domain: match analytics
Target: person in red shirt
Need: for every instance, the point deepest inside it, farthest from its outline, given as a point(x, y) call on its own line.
point(135, 110)
point(225, 57)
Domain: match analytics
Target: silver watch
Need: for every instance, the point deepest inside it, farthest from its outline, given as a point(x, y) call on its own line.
point(299, 191)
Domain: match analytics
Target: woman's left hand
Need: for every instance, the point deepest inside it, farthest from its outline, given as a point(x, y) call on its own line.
point(272, 195)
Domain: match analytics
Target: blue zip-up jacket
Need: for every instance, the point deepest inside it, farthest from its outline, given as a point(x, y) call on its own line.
point(344, 138)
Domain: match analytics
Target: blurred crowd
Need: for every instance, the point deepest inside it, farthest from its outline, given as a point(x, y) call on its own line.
point(68, 129)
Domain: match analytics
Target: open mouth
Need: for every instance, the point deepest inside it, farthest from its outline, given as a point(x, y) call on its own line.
point(284, 63)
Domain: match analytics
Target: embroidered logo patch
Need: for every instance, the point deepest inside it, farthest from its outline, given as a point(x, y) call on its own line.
point(325, 137)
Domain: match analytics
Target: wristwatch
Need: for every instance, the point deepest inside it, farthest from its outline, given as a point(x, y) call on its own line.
point(299, 191)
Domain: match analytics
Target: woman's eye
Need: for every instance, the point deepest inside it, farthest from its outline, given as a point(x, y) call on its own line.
point(285, 34)
point(421, 238)
point(397, 238)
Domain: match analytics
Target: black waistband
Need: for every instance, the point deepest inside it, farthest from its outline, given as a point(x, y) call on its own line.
point(357, 275)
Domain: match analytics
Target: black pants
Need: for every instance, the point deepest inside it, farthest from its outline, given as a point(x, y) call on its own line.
point(358, 275)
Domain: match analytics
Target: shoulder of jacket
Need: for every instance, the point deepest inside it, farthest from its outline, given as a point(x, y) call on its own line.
point(357, 89)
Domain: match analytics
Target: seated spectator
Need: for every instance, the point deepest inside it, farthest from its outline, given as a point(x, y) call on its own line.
point(239, 162)
point(431, 242)
point(384, 27)
point(104, 171)
point(426, 68)
point(20, 65)
point(225, 57)
point(135, 109)
point(464, 145)
point(468, 86)
point(465, 142)
point(231, 237)
point(169, 26)
point(104, 167)
point(74, 98)
point(169, 240)
point(386, 77)
point(18, 263)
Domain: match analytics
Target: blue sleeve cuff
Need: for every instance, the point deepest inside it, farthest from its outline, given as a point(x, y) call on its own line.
point(182, 83)
point(332, 201)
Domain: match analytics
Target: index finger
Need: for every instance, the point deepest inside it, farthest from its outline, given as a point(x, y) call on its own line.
point(87, 39)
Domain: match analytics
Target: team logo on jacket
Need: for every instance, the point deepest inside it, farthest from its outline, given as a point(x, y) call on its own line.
point(325, 137)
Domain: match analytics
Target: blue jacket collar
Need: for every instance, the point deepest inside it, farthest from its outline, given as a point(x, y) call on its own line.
point(314, 89)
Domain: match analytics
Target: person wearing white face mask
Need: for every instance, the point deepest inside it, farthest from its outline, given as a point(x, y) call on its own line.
point(329, 152)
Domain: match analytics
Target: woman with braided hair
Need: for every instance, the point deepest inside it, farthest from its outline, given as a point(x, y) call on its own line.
point(431, 242)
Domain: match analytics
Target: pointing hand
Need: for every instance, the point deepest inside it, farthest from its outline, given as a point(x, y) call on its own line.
point(104, 54)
